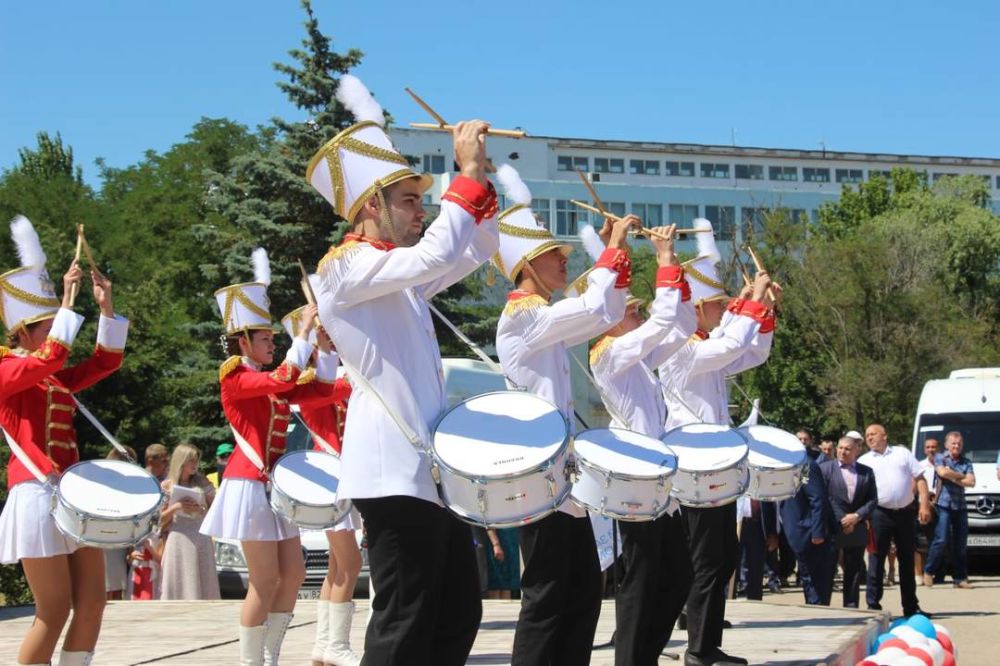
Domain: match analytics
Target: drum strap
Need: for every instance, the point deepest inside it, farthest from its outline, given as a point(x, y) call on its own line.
point(23, 457)
point(608, 403)
point(323, 444)
point(104, 431)
point(248, 450)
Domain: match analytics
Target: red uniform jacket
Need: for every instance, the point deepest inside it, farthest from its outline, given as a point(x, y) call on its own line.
point(37, 407)
point(326, 418)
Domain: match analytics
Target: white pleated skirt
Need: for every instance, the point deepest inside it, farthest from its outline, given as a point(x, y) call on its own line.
point(241, 511)
point(350, 522)
point(27, 528)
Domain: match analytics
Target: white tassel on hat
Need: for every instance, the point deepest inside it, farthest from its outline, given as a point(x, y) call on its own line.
point(261, 266)
point(706, 242)
point(513, 187)
point(356, 97)
point(592, 243)
point(29, 246)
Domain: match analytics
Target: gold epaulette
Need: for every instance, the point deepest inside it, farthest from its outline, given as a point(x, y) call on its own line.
point(522, 304)
point(308, 375)
point(229, 365)
point(4, 351)
point(600, 348)
point(336, 252)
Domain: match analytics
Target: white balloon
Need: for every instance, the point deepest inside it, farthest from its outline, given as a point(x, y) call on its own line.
point(889, 656)
point(909, 635)
point(936, 652)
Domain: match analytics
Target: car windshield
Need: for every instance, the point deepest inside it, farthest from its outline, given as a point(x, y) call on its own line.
point(980, 433)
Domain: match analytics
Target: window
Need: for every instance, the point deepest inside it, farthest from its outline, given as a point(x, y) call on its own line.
point(650, 214)
point(814, 175)
point(615, 208)
point(723, 219)
point(572, 163)
point(797, 215)
point(540, 207)
point(644, 167)
point(609, 165)
point(682, 214)
point(568, 217)
point(938, 176)
point(852, 175)
point(434, 163)
point(710, 170)
point(783, 173)
point(872, 173)
point(998, 182)
point(679, 169)
point(749, 172)
point(752, 221)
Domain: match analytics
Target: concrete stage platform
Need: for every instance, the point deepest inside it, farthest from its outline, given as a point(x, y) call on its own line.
point(205, 632)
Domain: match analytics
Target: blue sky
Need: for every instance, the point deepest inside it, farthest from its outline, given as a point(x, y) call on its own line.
point(117, 78)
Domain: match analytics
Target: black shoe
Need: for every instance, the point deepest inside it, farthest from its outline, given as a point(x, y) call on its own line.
point(712, 659)
point(682, 621)
point(721, 656)
point(726, 624)
point(917, 611)
point(874, 606)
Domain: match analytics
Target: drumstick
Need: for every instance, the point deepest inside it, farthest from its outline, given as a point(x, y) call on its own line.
point(427, 107)
point(760, 269)
point(593, 192)
point(74, 290)
point(636, 232)
point(510, 134)
point(307, 288)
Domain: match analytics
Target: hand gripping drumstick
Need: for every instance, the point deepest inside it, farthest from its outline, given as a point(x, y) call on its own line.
point(443, 126)
point(636, 232)
point(760, 269)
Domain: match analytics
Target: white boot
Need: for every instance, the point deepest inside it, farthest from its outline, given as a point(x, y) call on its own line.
point(322, 629)
point(338, 650)
point(75, 658)
point(277, 625)
point(252, 645)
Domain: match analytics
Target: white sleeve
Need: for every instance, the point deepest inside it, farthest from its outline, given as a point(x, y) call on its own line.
point(112, 332)
point(326, 366)
point(575, 320)
point(485, 243)
point(716, 353)
point(65, 326)
point(632, 347)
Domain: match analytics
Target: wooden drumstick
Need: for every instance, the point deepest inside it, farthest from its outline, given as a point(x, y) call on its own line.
point(760, 269)
point(593, 192)
point(443, 126)
point(634, 232)
point(307, 288)
point(74, 290)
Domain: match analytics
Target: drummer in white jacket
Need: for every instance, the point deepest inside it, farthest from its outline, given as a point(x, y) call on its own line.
point(658, 567)
point(561, 583)
point(373, 303)
point(694, 388)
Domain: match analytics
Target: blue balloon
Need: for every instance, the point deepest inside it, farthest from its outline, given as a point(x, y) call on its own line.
point(923, 625)
point(895, 623)
point(882, 639)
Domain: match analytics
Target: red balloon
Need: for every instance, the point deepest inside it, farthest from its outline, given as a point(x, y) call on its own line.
point(921, 654)
point(894, 642)
point(949, 659)
point(945, 642)
point(866, 662)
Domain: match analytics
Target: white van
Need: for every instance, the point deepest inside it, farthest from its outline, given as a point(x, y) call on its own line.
point(969, 402)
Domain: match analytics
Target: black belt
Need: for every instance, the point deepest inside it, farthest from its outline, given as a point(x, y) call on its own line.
point(908, 507)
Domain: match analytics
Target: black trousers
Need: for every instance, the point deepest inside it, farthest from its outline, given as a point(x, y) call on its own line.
point(753, 547)
point(714, 557)
point(816, 565)
point(656, 585)
point(854, 559)
point(560, 593)
point(422, 560)
point(894, 525)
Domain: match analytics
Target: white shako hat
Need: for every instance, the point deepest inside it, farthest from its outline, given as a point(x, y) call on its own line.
point(360, 160)
point(594, 246)
point(702, 272)
point(293, 320)
point(522, 238)
point(27, 295)
point(245, 306)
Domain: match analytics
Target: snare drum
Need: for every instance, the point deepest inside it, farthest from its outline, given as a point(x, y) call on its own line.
point(304, 489)
point(777, 460)
point(503, 459)
point(106, 503)
point(711, 464)
point(623, 474)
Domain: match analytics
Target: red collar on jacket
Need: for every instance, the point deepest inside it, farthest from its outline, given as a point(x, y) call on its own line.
point(377, 244)
point(701, 334)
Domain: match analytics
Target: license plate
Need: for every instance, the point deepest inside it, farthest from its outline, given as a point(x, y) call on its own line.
point(983, 540)
point(308, 594)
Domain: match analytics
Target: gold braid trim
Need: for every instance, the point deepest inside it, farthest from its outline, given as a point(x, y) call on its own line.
point(337, 178)
point(368, 150)
point(701, 277)
point(4, 351)
point(600, 348)
point(524, 232)
point(236, 294)
point(309, 375)
point(24, 297)
point(336, 252)
point(229, 365)
point(522, 304)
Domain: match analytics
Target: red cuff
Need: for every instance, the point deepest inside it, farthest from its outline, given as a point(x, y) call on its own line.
point(617, 261)
point(755, 310)
point(477, 200)
point(735, 305)
point(769, 323)
point(673, 276)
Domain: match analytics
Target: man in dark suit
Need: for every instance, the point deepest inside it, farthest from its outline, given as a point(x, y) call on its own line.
point(758, 536)
point(853, 497)
point(806, 521)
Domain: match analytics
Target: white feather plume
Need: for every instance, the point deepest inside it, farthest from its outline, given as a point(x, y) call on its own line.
point(706, 242)
point(353, 94)
point(29, 246)
point(513, 187)
point(592, 243)
point(261, 266)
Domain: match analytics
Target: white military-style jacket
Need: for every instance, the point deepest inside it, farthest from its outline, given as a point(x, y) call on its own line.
point(373, 303)
point(533, 336)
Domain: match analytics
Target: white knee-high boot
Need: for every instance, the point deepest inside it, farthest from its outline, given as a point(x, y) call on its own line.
point(252, 645)
point(75, 658)
point(338, 650)
point(322, 629)
point(277, 625)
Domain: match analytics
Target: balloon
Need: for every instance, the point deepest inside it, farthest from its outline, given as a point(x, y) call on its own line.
point(909, 634)
point(923, 625)
point(936, 651)
point(888, 656)
point(898, 621)
point(941, 629)
point(909, 660)
point(895, 641)
point(881, 639)
point(921, 654)
point(949, 659)
point(946, 643)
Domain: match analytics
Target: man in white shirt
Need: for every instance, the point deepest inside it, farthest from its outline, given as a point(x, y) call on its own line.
point(657, 563)
point(925, 533)
point(561, 582)
point(373, 303)
point(895, 470)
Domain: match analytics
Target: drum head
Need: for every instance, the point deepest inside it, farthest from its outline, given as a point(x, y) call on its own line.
point(309, 477)
point(773, 447)
point(704, 447)
point(498, 434)
point(109, 488)
point(625, 452)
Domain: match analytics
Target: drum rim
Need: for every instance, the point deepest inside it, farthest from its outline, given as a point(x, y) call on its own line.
point(745, 431)
point(729, 428)
point(62, 498)
point(698, 505)
point(622, 475)
point(544, 464)
point(526, 519)
point(640, 518)
point(306, 525)
point(274, 486)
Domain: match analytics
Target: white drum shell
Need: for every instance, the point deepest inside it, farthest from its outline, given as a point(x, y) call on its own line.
point(292, 476)
point(770, 479)
point(116, 524)
point(701, 486)
point(620, 494)
point(518, 497)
